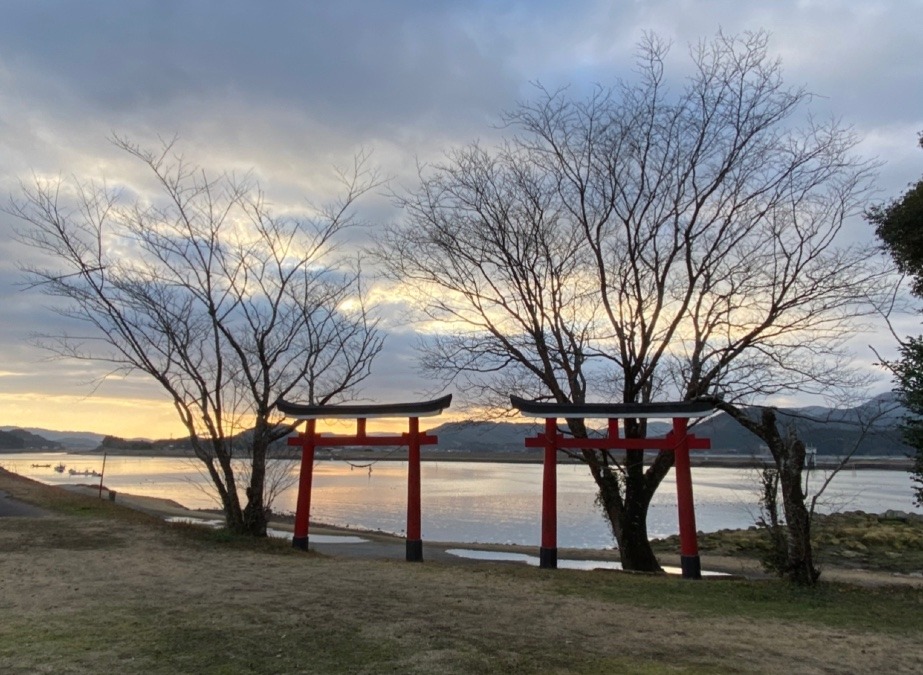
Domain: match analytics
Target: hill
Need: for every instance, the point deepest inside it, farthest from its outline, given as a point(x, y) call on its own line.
point(870, 429)
point(20, 440)
point(10, 441)
point(71, 440)
point(474, 436)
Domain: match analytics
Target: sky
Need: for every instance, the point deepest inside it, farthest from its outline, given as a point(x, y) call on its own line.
point(290, 89)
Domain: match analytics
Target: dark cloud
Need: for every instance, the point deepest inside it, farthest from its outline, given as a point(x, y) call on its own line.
point(353, 63)
point(289, 89)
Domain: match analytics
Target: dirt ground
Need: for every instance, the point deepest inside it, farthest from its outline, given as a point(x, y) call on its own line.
point(82, 593)
point(738, 566)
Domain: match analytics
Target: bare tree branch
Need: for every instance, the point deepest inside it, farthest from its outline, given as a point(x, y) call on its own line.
point(644, 242)
point(222, 303)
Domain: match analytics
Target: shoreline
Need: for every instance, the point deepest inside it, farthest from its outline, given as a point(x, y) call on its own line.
point(93, 587)
point(735, 566)
point(703, 460)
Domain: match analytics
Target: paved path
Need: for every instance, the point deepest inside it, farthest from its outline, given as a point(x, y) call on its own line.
point(10, 508)
point(386, 547)
point(321, 539)
point(334, 542)
point(381, 550)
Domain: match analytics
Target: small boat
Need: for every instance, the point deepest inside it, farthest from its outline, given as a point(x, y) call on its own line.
point(60, 468)
point(85, 472)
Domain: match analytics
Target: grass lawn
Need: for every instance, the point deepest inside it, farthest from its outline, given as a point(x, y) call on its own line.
point(95, 587)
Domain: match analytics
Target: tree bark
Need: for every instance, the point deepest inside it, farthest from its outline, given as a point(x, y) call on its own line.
point(635, 550)
point(255, 517)
point(627, 515)
point(788, 453)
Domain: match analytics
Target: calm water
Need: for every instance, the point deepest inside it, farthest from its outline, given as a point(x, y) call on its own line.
point(473, 501)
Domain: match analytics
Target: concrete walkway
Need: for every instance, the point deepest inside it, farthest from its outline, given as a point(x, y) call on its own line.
point(10, 508)
point(324, 540)
point(333, 541)
point(381, 546)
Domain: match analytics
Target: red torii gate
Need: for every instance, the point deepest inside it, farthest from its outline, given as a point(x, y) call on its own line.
point(679, 441)
point(413, 439)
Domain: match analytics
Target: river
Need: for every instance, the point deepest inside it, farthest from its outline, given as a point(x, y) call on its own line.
point(472, 502)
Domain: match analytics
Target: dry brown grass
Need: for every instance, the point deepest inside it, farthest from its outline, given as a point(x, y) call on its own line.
point(97, 588)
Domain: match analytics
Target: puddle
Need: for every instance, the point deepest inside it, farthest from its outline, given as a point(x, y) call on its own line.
point(329, 538)
point(276, 534)
point(501, 556)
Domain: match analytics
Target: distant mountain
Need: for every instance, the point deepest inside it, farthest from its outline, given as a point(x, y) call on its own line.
point(475, 436)
point(484, 436)
point(116, 443)
point(10, 441)
point(13, 439)
point(870, 429)
point(74, 440)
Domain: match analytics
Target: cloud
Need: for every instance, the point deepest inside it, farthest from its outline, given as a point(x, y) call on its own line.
point(289, 89)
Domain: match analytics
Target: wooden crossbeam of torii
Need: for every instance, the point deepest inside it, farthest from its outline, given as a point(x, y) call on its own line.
point(309, 440)
point(678, 441)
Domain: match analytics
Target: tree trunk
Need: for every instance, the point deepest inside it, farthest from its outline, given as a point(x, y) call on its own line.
point(789, 456)
point(254, 515)
point(776, 559)
point(627, 515)
point(635, 549)
point(255, 518)
point(233, 514)
point(218, 472)
point(788, 453)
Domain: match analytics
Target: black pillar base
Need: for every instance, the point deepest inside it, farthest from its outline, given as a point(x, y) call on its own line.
point(300, 543)
point(692, 567)
point(415, 550)
point(548, 558)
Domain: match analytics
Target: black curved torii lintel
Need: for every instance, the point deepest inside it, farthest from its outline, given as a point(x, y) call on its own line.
point(413, 439)
point(363, 411)
point(678, 441)
point(674, 410)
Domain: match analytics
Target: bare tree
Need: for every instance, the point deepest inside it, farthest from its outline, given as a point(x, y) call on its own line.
point(226, 306)
point(790, 527)
point(644, 243)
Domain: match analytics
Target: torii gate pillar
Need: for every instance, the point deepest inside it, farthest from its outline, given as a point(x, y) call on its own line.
point(548, 553)
point(678, 441)
point(305, 478)
point(309, 440)
point(688, 540)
